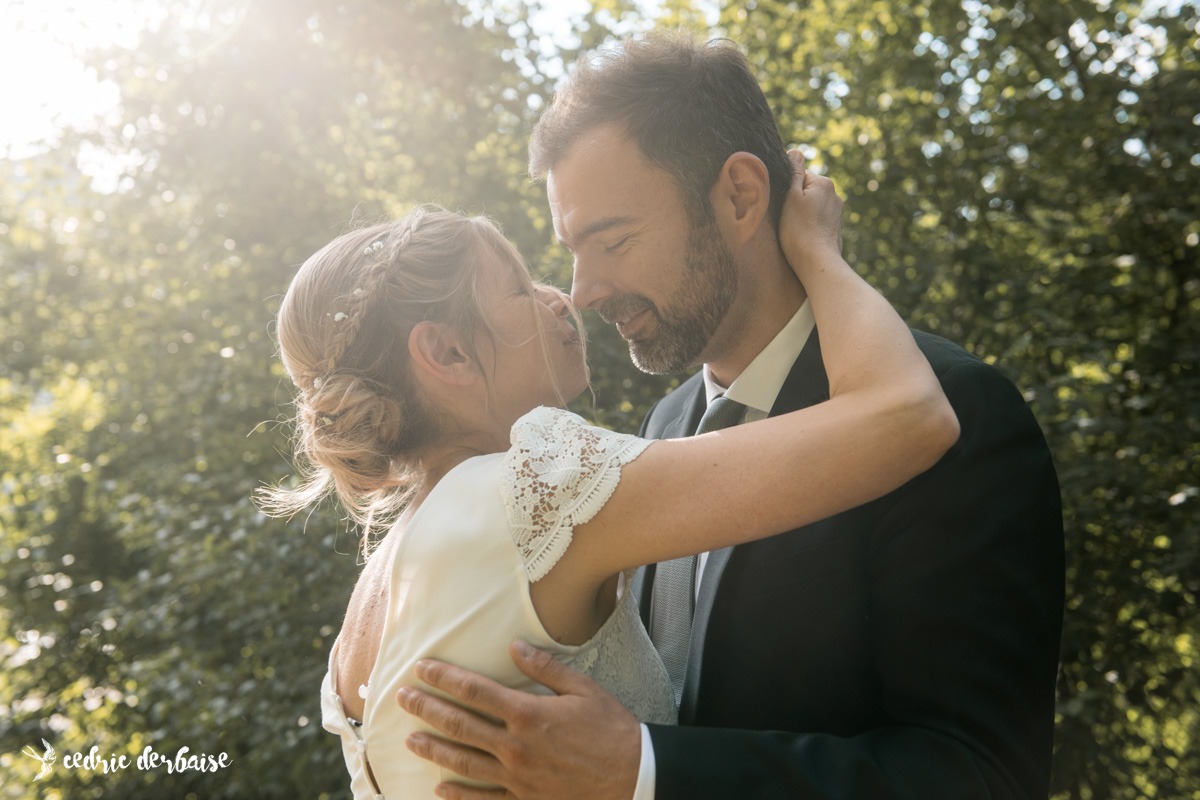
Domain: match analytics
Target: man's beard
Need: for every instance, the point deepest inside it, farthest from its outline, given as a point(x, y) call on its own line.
point(685, 328)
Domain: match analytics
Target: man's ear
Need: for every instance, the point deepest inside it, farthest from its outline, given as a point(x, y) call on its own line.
point(437, 352)
point(741, 196)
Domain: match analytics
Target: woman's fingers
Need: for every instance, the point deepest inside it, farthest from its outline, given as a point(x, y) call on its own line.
point(811, 224)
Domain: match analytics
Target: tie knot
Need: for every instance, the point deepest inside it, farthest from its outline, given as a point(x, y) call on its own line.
point(721, 413)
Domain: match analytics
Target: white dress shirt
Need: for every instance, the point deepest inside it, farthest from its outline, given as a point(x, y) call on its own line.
point(756, 388)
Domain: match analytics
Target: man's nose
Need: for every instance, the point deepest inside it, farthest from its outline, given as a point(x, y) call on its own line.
point(588, 288)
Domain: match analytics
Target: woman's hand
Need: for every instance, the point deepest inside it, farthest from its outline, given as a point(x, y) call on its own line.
point(810, 229)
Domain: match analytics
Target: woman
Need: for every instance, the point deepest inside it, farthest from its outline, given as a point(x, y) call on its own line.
point(432, 374)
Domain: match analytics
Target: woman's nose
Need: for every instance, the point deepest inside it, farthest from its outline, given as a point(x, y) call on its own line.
point(553, 298)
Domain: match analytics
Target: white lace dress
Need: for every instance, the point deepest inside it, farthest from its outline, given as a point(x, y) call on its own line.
point(460, 593)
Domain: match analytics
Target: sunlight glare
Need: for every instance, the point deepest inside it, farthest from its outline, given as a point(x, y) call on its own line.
point(40, 44)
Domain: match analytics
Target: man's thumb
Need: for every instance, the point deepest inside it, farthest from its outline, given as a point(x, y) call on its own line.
point(546, 669)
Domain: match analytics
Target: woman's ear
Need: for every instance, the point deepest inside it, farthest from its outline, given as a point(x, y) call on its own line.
point(437, 352)
point(741, 196)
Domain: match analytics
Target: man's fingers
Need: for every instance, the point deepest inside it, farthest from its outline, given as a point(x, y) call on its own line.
point(469, 688)
point(464, 761)
point(458, 723)
point(547, 670)
point(457, 791)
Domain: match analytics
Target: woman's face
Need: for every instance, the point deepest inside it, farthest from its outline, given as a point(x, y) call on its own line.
point(522, 372)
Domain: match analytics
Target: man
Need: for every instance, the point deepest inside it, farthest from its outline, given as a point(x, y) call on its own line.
point(906, 648)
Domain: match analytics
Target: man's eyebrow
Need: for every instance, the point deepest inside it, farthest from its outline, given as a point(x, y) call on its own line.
point(597, 226)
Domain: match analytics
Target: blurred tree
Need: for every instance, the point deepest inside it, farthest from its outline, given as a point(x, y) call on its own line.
point(1020, 179)
point(1025, 179)
point(146, 601)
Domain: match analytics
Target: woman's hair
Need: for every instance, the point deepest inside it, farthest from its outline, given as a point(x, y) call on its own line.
point(343, 331)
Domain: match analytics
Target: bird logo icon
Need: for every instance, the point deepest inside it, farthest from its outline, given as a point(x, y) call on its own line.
point(46, 759)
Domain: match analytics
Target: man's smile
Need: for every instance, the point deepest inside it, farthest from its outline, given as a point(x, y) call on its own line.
point(627, 312)
point(629, 326)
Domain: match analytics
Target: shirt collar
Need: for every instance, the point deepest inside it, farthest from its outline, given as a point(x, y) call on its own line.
point(760, 382)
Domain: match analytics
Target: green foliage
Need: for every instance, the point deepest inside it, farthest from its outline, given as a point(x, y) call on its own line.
point(146, 601)
point(1020, 179)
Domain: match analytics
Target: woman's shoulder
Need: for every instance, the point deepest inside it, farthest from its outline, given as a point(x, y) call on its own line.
point(546, 417)
point(558, 437)
point(546, 421)
point(558, 474)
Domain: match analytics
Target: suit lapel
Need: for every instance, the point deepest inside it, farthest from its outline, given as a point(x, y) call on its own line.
point(692, 404)
point(714, 567)
point(806, 385)
point(685, 424)
point(643, 578)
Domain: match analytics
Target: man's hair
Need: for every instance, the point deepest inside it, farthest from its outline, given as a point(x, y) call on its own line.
point(687, 105)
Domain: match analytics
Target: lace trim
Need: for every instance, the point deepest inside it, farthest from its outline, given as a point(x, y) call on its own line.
point(558, 473)
point(621, 658)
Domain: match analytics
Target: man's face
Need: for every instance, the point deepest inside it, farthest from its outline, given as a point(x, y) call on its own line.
point(665, 281)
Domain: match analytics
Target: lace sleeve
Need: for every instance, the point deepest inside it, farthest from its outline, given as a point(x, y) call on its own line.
point(558, 473)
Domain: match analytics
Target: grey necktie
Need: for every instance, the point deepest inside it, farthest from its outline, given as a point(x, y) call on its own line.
point(674, 595)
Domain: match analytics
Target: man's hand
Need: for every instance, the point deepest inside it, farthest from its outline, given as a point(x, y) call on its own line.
point(581, 743)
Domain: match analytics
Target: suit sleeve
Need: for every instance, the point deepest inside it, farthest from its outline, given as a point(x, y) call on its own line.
point(965, 568)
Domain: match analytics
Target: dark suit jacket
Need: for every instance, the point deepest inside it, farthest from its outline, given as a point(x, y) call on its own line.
point(906, 648)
